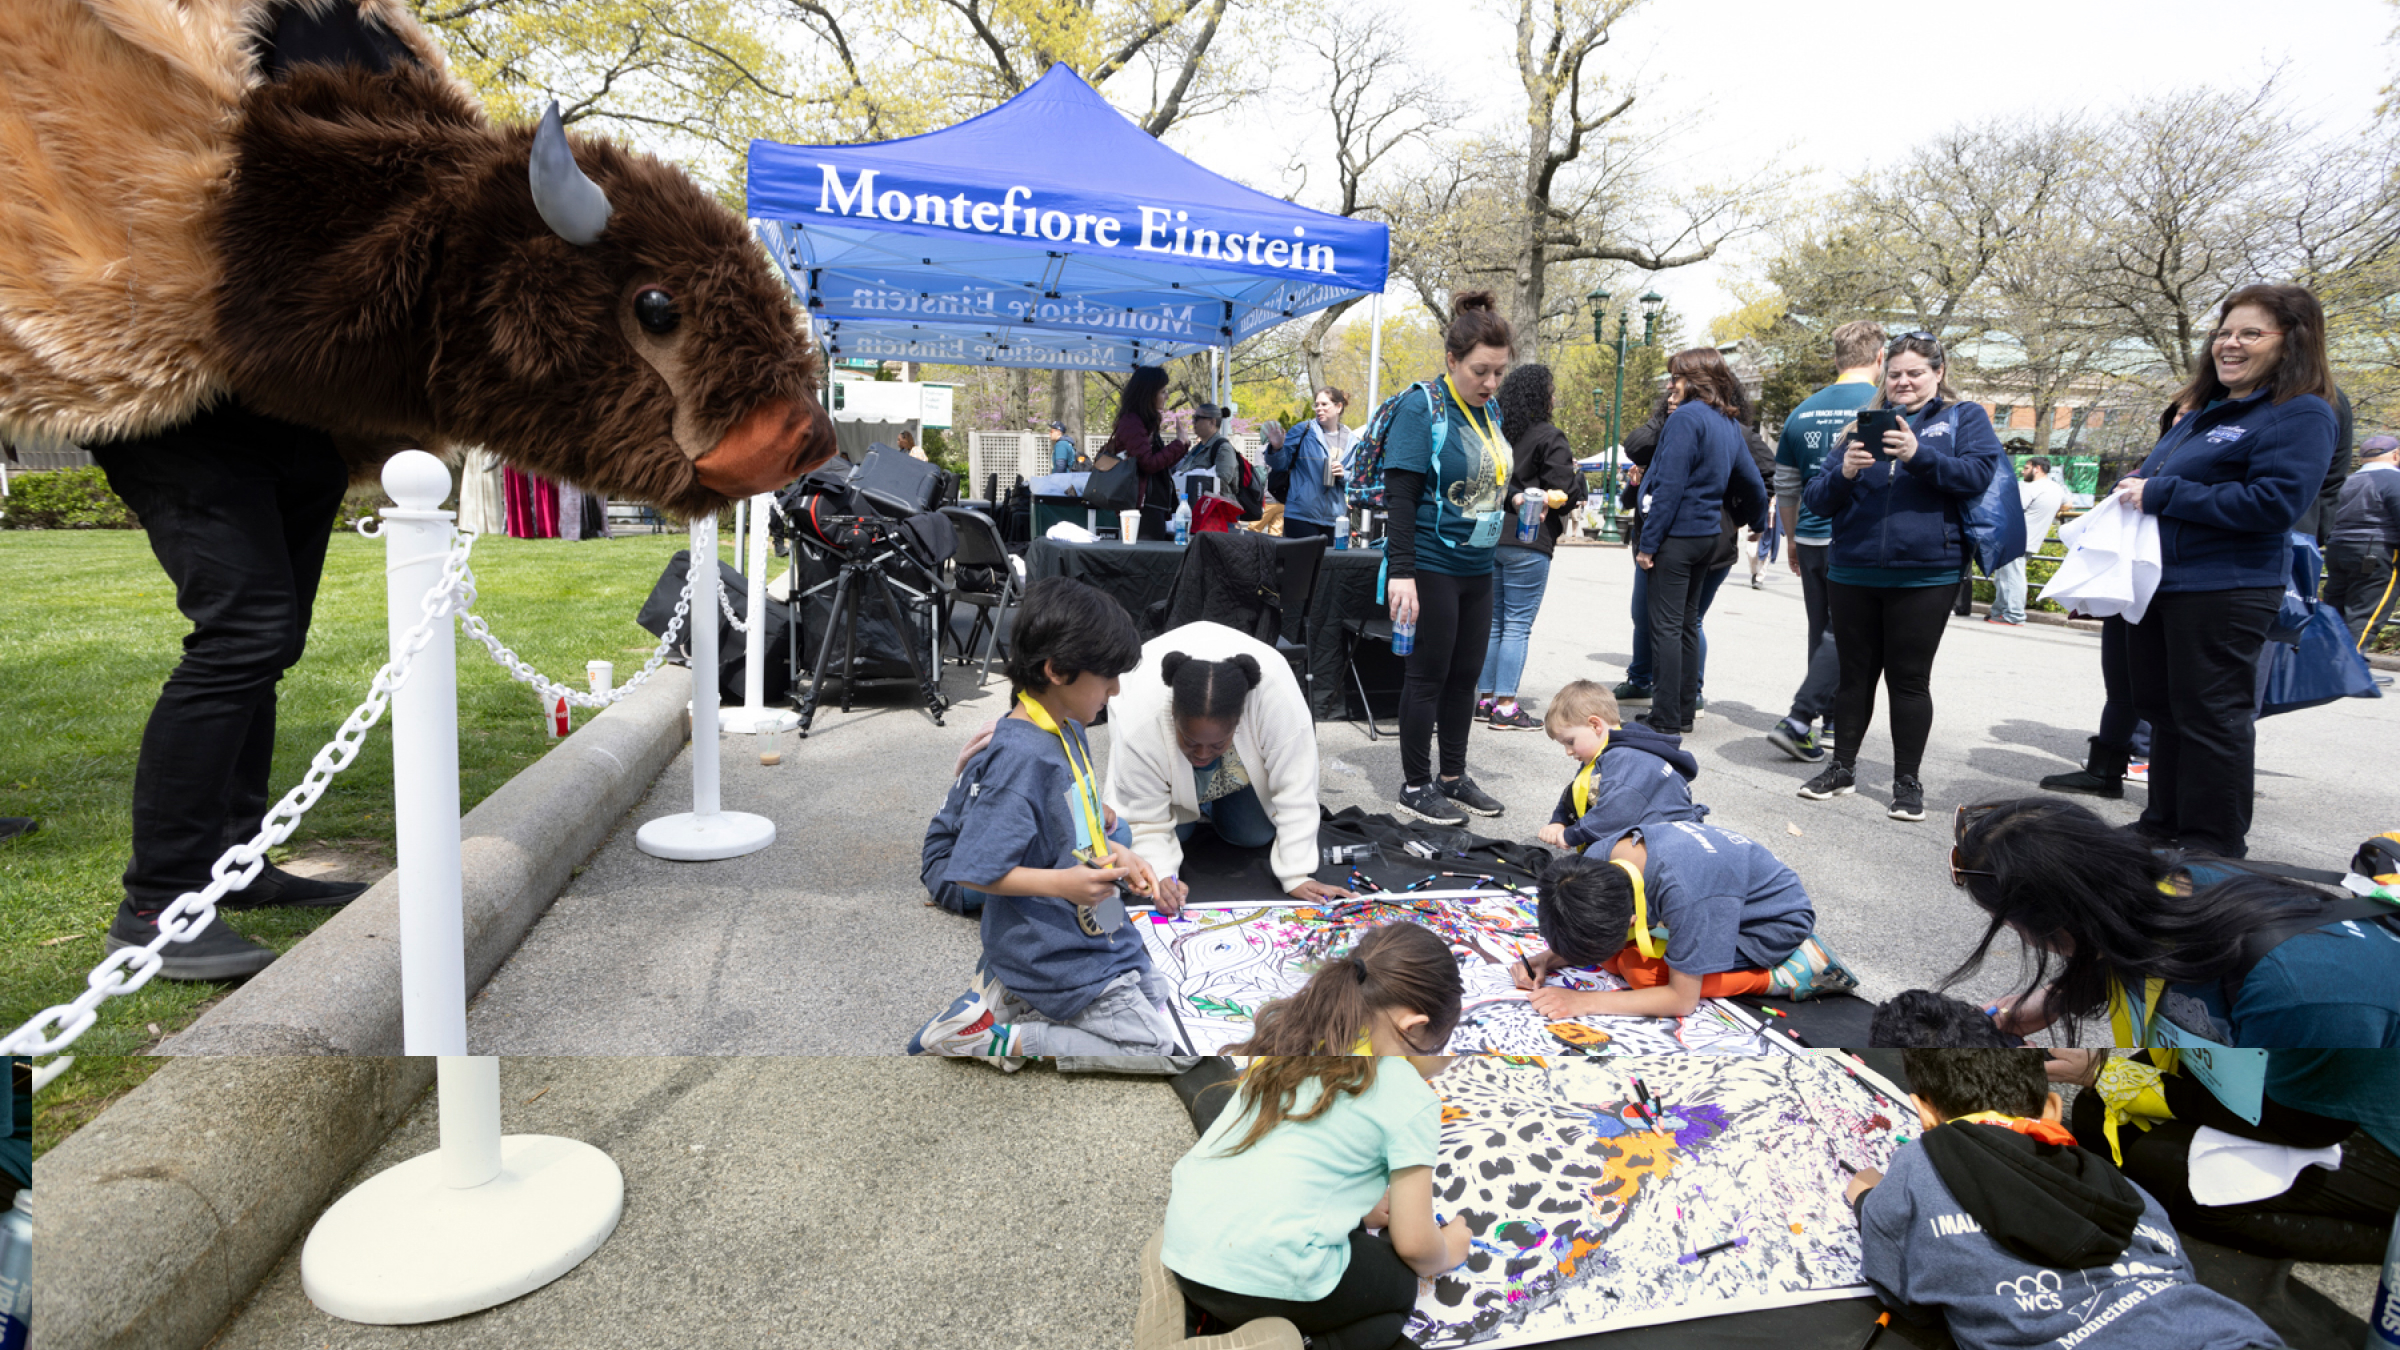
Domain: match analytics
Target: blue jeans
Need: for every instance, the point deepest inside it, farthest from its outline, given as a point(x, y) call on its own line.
point(2008, 591)
point(1639, 671)
point(1519, 576)
point(1240, 820)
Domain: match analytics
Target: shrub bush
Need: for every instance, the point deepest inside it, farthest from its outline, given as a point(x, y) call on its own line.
point(64, 499)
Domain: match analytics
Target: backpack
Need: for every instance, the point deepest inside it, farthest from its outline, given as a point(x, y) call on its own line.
point(1254, 502)
point(1363, 469)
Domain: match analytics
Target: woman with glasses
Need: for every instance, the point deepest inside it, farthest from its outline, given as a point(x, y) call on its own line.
point(2162, 950)
point(1899, 551)
point(2227, 484)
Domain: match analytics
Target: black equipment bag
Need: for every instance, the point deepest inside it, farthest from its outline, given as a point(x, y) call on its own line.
point(659, 610)
point(901, 485)
point(1115, 485)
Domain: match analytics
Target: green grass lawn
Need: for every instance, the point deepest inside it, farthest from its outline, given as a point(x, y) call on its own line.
point(89, 632)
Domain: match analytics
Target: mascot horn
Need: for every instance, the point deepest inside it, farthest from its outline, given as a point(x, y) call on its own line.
point(204, 200)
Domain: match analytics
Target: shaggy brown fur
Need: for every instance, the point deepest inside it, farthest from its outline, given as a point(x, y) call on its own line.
point(360, 252)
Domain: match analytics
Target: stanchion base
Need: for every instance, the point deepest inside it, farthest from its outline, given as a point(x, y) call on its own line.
point(735, 721)
point(405, 1248)
point(686, 837)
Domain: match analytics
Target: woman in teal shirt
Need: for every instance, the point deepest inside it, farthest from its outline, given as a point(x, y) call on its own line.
point(1444, 465)
point(1899, 549)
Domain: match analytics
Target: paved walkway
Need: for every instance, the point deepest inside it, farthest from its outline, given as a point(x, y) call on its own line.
point(822, 944)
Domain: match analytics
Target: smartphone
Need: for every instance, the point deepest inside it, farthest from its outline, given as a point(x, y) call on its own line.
point(1872, 423)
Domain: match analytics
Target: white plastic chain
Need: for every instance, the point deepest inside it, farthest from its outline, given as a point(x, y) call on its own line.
point(129, 968)
point(551, 690)
point(725, 603)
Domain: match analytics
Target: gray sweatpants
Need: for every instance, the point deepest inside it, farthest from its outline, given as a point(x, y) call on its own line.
point(1125, 1030)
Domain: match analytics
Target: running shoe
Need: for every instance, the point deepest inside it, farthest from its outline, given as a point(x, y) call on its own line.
point(1755, 583)
point(1515, 719)
point(968, 1029)
point(1463, 791)
point(1999, 618)
point(216, 952)
point(1424, 802)
point(1699, 705)
point(1908, 798)
point(1629, 692)
point(1793, 737)
point(1835, 781)
point(1483, 707)
point(2138, 771)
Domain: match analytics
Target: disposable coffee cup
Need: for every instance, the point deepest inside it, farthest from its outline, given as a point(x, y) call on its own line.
point(602, 674)
point(1129, 526)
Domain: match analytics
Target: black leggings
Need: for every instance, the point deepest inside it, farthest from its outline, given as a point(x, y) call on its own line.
point(2342, 1217)
point(1886, 633)
point(1364, 1312)
point(1454, 626)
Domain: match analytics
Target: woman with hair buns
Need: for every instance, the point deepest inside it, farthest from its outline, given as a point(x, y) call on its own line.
point(1445, 463)
point(1212, 727)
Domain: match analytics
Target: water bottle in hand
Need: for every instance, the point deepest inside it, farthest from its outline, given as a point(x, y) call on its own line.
point(1404, 636)
point(1530, 510)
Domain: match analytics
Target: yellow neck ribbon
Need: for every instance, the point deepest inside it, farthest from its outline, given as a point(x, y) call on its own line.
point(1641, 911)
point(1583, 783)
point(1492, 446)
point(1086, 794)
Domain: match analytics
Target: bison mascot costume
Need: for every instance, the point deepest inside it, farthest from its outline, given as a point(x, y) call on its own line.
point(250, 248)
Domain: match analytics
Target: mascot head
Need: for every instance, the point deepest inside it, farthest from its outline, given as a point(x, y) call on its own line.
point(398, 269)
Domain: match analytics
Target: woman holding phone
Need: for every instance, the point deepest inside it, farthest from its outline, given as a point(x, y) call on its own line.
point(1445, 461)
point(1897, 496)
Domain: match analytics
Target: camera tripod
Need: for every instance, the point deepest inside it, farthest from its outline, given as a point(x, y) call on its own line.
point(850, 588)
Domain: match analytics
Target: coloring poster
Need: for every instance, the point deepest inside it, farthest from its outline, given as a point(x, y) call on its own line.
point(1589, 1215)
point(1225, 961)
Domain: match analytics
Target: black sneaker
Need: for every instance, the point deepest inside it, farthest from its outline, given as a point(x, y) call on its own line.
point(1796, 740)
point(1908, 798)
point(1684, 729)
point(1699, 706)
point(1462, 790)
point(1629, 692)
point(217, 953)
point(275, 887)
point(1425, 803)
point(1835, 780)
point(1515, 719)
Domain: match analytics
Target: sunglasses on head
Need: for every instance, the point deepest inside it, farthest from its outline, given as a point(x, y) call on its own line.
point(1964, 821)
point(1920, 335)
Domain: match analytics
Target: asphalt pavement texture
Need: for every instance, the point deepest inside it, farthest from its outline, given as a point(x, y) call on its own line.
point(823, 943)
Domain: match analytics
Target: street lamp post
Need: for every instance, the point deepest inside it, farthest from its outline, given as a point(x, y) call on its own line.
point(1651, 301)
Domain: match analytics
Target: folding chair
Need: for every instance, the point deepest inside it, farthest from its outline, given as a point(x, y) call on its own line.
point(1300, 560)
point(979, 545)
point(1354, 632)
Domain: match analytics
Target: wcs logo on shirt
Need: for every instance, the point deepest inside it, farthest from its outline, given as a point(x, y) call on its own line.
point(1937, 429)
point(2227, 435)
point(2039, 1292)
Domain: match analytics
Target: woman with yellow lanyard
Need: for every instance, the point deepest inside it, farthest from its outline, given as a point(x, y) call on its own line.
point(2188, 958)
point(1445, 462)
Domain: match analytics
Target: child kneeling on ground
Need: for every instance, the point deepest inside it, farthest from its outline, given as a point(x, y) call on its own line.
point(1062, 972)
point(1998, 1221)
point(1737, 920)
point(1631, 775)
point(1270, 1210)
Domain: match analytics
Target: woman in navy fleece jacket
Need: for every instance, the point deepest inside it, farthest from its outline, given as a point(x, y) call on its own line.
point(2226, 484)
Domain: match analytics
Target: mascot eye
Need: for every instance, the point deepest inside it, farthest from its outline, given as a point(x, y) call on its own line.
point(655, 310)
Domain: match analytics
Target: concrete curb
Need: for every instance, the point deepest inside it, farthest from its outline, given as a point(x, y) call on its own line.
point(338, 991)
point(160, 1218)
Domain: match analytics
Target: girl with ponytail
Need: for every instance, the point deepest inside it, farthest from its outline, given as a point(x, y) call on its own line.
point(1397, 993)
point(1213, 731)
point(1270, 1210)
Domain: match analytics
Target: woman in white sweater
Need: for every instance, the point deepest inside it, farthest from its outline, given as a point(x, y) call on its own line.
point(1212, 726)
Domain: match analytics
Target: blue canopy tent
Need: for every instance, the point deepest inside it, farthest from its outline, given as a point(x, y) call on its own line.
point(1050, 232)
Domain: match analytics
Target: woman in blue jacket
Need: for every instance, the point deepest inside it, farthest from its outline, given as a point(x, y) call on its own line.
point(1899, 550)
point(2226, 484)
point(1701, 454)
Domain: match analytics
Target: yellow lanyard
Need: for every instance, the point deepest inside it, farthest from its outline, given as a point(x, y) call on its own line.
point(1483, 432)
point(1583, 783)
point(1641, 911)
point(2120, 1020)
point(1084, 793)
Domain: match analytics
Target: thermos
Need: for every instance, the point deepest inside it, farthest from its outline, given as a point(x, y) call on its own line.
point(1341, 530)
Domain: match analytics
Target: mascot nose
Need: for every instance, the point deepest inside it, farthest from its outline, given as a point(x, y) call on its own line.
point(776, 443)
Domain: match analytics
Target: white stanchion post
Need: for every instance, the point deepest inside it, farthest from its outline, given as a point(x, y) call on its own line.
point(433, 974)
point(480, 1221)
point(755, 715)
point(705, 832)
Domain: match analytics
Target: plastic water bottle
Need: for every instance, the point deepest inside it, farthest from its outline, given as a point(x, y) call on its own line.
point(2383, 1316)
point(16, 1273)
point(1529, 517)
point(1404, 637)
point(1341, 530)
point(1183, 520)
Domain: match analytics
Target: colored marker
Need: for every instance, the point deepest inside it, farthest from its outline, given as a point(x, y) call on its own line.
point(1711, 1251)
point(1845, 1167)
point(1876, 1330)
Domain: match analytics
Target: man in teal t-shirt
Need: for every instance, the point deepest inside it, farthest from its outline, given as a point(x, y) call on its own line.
point(1809, 435)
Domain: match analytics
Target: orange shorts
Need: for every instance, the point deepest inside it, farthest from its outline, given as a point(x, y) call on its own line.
point(1646, 972)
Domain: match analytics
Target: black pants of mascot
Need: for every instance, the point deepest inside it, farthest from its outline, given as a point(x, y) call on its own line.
point(238, 507)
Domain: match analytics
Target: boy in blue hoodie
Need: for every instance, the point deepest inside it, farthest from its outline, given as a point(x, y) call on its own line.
point(1630, 775)
point(1737, 921)
point(1996, 1220)
point(1063, 972)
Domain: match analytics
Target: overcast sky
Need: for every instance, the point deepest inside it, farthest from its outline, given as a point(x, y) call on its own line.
point(1773, 81)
